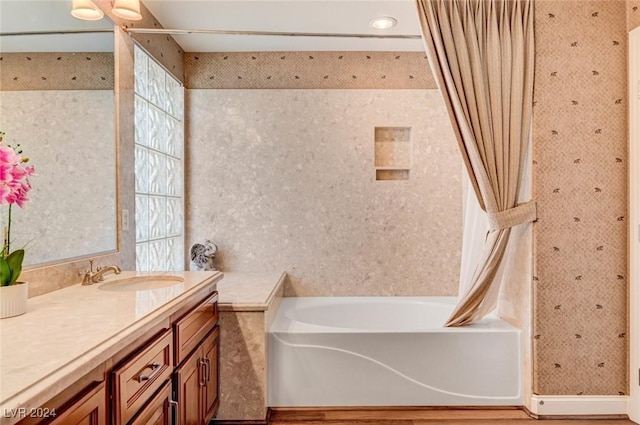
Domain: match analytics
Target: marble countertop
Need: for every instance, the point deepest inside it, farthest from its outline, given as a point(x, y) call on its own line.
point(240, 291)
point(67, 333)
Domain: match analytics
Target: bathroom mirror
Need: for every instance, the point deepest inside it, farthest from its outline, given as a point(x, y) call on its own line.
point(57, 102)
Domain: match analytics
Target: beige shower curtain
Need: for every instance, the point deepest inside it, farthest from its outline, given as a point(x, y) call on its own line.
point(481, 53)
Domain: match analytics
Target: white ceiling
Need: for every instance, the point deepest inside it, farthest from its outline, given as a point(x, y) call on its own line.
point(309, 16)
point(49, 15)
point(325, 16)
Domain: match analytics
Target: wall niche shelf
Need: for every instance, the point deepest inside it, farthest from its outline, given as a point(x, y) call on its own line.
point(392, 153)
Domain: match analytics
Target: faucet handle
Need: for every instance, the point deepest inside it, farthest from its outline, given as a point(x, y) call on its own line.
point(86, 278)
point(91, 266)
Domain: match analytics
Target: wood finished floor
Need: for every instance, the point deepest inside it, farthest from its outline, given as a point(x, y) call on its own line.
point(423, 417)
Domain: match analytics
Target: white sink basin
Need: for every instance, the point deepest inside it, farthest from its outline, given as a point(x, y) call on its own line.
point(141, 283)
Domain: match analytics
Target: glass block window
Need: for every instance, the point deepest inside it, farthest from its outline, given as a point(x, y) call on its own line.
point(159, 167)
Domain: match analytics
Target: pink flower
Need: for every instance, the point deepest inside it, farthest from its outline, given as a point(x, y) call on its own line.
point(14, 182)
point(14, 189)
point(6, 173)
point(19, 194)
point(8, 155)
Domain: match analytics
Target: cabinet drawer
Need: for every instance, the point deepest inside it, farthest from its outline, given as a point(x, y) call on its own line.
point(194, 326)
point(136, 380)
point(158, 410)
point(91, 409)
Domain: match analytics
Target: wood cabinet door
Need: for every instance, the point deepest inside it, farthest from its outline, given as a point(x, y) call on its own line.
point(190, 330)
point(210, 355)
point(188, 380)
point(138, 379)
point(158, 409)
point(91, 409)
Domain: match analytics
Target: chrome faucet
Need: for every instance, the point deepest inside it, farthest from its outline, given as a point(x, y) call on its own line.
point(90, 277)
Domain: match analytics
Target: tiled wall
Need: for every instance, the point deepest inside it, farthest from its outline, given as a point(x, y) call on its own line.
point(73, 199)
point(285, 180)
point(580, 168)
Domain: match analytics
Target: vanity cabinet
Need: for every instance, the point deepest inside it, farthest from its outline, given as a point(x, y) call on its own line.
point(211, 387)
point(138, 378)
point(90, 409)
point(177, 368)
point(196, 382)
point(196, 379)
point(190, 329)
point(84, 402)
point(158, 411)
point(168, 376)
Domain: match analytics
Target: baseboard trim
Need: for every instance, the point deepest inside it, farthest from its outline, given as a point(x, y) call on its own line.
point(264, 421)
point(395, 414)
point(579, 406)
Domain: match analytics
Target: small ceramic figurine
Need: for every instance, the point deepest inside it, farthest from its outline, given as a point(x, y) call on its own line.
point(202, 256)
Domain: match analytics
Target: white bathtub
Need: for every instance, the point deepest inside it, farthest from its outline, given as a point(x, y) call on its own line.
point(389, 351)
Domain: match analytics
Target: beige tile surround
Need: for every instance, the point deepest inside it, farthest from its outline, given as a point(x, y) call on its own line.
point(73, 198)
point(285, 180)
point(248, 303)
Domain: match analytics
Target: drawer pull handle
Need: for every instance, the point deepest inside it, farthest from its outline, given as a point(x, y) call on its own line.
point(177, 410)
point(155, 367)
point(202, 371)
point(208, 366)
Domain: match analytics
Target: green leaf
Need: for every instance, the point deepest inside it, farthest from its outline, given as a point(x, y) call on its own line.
point(5, 272)
point(14, 260)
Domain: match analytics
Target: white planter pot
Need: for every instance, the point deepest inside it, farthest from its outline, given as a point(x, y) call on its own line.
point(13, 299)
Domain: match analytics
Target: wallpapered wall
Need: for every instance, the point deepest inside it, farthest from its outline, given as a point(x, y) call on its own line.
point(580, 168)
point(56, 71)
point(633, 14)
point(308, 70)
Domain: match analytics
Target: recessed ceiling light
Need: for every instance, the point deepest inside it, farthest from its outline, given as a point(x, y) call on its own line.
point(383, 22)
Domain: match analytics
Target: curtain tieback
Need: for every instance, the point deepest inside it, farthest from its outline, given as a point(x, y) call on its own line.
point(521, 213)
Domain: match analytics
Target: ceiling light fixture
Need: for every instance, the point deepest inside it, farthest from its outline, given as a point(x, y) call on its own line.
point(127, 9)
point(86, 10)
point(383, 23)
